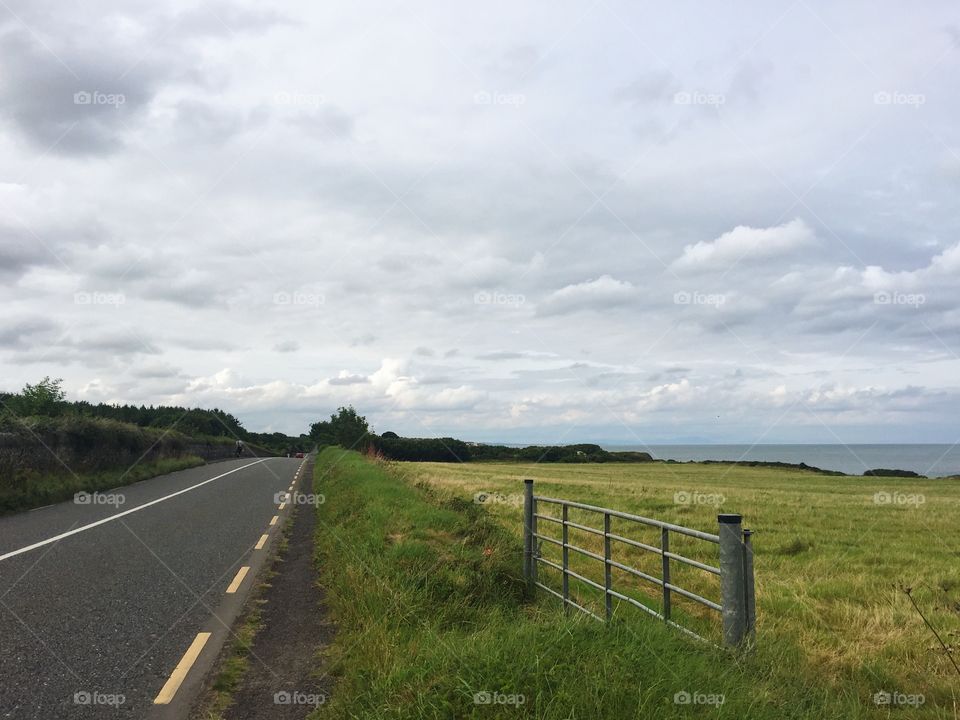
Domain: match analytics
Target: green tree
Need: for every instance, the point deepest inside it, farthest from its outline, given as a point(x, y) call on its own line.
point(45, 398)
point(346, 428)
point(322, 433)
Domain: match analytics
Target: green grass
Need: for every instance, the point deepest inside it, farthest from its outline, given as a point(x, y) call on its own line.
point(829, 560)
point(425, 589)
point(35, 490)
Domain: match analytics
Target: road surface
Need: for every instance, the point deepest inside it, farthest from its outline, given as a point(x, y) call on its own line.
point(105, 607)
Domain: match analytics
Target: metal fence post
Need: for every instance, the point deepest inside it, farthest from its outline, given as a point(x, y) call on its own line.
point(665, 548)
point(566, 560)
point(528, 539)
point(732, 586)
point(608, 570)
point(535, 546)
point(750, 597)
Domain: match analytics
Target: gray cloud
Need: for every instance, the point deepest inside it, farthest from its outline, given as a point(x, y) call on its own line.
point(25, 332)
point(19, 252)
point(602, 254)
point(72, 100)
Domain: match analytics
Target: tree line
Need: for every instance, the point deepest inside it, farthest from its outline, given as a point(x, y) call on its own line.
point(348, 429)
point(47, 399)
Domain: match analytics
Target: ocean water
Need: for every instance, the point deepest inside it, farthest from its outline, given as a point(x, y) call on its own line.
point(929, 460)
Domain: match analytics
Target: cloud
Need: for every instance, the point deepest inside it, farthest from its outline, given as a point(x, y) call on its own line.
point(601, 294)
point(156, 371)
point(650, 87)
point(516, 355)
point(73, 99)
point(18, 253)
point(286, 346)
point(192, 289)
point(633, 290)
point(746, 244)
point(115, 343)
point(346, 378)
point(24, 332)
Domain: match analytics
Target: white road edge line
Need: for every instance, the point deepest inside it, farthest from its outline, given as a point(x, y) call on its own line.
point(83, 528)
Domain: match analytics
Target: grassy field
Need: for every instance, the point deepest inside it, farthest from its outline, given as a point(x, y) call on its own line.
point(424, 587)
point(831, 555)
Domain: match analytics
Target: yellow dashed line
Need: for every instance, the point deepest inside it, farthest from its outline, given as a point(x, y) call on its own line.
point(274, 520)
point(183, 667)
point(282, 505)
point(234, 586)
point(261, 542)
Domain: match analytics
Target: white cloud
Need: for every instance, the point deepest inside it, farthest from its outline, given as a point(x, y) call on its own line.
point(745, 244)
point(603, 293)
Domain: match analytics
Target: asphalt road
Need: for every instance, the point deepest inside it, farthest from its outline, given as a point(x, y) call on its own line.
point(90, 615)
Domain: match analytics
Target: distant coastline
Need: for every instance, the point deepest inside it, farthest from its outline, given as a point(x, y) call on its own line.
point(931, 460)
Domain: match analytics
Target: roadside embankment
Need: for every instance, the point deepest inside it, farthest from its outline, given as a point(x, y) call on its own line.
point(46, 460)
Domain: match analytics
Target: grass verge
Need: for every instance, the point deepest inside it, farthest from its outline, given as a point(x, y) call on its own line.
point(425, 590)
point(39, 490)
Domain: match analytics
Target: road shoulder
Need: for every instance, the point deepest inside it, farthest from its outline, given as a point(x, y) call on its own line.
point(269, 671)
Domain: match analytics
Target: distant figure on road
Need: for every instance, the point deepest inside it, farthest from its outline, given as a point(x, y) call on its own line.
point(239, 448)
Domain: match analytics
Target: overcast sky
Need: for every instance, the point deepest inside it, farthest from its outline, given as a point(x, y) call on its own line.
point(552, 222)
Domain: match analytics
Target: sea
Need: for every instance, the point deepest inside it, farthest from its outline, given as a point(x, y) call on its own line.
point(930, 460)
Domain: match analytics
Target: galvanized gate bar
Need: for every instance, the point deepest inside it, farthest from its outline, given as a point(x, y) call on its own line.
point(566, 560)
point(709, 537)
point(665, 551)
point(738, 607)
point(607, 571)
point(632, 543)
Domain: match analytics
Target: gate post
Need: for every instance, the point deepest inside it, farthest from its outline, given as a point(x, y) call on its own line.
point(528, 539)
point(732, 585)
point(749, 590)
